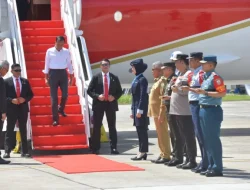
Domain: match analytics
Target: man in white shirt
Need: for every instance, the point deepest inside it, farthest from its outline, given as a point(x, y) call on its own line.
point(57, 60)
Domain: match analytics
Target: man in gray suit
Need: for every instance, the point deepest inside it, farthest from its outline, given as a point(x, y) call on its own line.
point(4, 68)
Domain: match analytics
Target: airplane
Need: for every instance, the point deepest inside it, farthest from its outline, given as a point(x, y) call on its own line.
point(153, 29)
point(126, 30)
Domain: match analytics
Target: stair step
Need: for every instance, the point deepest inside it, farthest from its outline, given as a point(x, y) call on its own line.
point(34, 73)
point(61, 147)
point(45, 110)
point(35, 65)
point(43, 32)
point(47, 119)
point(38, 40)
point(42, 24)
point(35, 56)
point(41, 48)
point(55, 140)
point(45, 100)
point(45, 130)
point(45, 91)
point(40, 82)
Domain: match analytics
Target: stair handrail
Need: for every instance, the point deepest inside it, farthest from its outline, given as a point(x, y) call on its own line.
point(16, 38)
point(76, 61)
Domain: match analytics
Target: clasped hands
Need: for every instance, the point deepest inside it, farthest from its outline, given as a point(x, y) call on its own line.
point(17, 101)
point(102, 98)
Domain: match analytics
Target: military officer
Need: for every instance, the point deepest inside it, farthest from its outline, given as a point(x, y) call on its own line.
point(211, 114)
point(169, 73)
point(157, 110)
point(194, 80)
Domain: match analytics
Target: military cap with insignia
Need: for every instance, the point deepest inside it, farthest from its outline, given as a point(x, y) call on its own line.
point(209, 58)
point(139, 65)
point(197, 55)
point(181, 57)
point(168, 64)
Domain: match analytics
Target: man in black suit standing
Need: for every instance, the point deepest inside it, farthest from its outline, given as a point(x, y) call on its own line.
point(18, 95)
point(4, 68)
point(105, 89)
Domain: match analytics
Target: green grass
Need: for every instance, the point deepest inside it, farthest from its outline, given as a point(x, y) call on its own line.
point(126, 99)
point(236, 97)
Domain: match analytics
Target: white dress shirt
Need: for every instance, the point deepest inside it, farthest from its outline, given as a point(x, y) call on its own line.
point(14, 81)
point(55, 59)
point(103, 79)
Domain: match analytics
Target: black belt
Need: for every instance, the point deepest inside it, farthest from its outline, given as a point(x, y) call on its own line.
point(209, 106)
point(194, 102)
point(194, 86)
point(57, 69)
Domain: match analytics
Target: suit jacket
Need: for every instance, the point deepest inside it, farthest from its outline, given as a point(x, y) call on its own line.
point(96, 88)
point(26, 93)
point(140, 101)
point(3, 105)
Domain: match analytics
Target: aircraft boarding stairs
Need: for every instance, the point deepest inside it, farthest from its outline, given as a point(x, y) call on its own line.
point(35, 37)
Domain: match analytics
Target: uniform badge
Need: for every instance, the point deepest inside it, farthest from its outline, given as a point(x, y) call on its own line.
point(192, 83)
point(218, 81)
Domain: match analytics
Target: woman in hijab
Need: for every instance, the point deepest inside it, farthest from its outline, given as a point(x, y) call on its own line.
point(140, 107)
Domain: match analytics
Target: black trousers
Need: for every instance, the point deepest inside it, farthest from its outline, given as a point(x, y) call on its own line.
point(142, 132)
point(23, 8)
point(171, 125)
point(12, 118)
point(111, 119)
point(58, 78)
point(1, 129)
point(184, 132)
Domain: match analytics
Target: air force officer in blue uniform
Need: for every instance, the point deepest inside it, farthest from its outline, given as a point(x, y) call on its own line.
point(211, 114)
point(139, 106)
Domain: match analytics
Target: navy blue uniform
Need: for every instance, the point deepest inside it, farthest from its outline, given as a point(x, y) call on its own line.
point(140, 105)
point(211, 116)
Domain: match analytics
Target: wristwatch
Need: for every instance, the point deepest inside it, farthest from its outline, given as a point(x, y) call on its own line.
point(206, 93)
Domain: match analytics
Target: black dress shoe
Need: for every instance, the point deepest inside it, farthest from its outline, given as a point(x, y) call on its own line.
point(153, 161)
point(162, 161)
point(174, 162)
point(95, 152)
point(195, 169)
point(6, 155)
point(189, 165)
point(55, 123)
point(204, 172)
point(2, 161)
point(26, 155)
point(142, 157)
point(114, 151)
point(62, 113)
point(213, 173)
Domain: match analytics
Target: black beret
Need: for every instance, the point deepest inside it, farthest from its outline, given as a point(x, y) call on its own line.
point(168, 64)
point(198, 55)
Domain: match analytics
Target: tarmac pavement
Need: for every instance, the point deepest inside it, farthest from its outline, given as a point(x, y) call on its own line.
point(29, 174)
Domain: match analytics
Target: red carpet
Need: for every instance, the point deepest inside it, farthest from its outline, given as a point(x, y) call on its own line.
point(71, 164)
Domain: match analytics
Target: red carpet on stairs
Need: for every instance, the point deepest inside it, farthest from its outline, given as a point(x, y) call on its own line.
point(88, 163)
point(37, 37)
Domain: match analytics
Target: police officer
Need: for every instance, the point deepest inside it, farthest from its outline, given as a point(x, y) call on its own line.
point(194, 80)
point(157, 110)
point(168, 70)
point(211, 114)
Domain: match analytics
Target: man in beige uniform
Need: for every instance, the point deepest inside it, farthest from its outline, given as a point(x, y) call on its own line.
point(157, 110)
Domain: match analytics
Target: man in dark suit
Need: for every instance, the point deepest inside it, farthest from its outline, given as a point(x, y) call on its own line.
point(18, 95)
point(4, 68)
point(105, 89)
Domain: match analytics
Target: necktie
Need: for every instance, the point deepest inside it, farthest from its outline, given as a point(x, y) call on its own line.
point(106, 87)
point(18, 90)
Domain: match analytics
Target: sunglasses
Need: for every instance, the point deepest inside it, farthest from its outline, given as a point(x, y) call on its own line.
point(17, 70)
point(105, 65)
